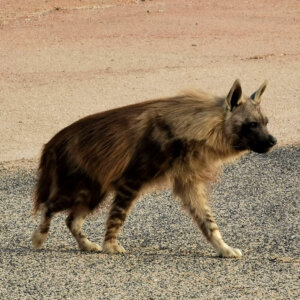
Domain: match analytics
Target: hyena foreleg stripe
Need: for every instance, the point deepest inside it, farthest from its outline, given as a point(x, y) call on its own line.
point(194, 200)
point(121, 205)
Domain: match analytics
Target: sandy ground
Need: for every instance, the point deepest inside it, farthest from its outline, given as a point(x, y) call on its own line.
point(61, 60)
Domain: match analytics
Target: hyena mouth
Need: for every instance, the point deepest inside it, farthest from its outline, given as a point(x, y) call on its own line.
point(264, 147)
point(261, 150)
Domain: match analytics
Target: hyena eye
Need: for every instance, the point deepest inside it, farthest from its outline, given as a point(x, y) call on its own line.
point(253, 124)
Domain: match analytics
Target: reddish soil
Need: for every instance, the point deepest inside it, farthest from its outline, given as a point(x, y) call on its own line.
point(61, 60)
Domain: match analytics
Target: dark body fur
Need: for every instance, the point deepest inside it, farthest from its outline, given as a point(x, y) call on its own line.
point(183, 140)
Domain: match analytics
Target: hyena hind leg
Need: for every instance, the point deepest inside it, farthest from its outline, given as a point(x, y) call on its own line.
point(74, 222)
point(194, 200)
point(39, 236)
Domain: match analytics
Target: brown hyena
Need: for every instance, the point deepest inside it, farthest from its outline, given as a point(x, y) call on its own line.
point(183, 140)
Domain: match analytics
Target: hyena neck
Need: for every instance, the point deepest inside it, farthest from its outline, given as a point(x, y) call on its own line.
point(213, 134)
point(201, 118)
point(220, 145)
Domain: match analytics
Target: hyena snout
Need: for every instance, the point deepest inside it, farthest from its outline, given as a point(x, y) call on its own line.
point(272, 141)
point(269, 142)
point(264, 145)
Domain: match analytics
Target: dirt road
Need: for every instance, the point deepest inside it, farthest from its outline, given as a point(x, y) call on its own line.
point(61, 60)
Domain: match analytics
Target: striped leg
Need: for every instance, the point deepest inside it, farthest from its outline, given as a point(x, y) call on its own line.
point(194, 200)
point(124, 199)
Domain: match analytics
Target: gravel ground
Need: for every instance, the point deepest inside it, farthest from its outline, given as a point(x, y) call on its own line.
point(256, 204)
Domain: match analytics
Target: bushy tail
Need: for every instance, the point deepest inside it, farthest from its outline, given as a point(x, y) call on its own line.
point(46, 183)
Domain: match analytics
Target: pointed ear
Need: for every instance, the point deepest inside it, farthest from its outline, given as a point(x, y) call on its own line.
point(256, 95)
point(234, 97)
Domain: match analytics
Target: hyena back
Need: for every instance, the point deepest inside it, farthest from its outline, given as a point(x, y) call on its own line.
point(184, 139)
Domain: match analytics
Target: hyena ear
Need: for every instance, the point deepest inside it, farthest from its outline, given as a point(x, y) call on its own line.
point(234, 97)
point(256, 95)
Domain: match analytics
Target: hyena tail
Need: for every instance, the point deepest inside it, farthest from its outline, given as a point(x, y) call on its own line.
point(45, 189)
point(46, 184)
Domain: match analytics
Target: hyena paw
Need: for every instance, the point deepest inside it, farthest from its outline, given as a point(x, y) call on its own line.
point(38, 239)
point(91, 247)
point(230, 252)
point(113, 248)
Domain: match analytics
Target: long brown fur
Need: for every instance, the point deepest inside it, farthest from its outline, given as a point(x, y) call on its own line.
point(183, 139)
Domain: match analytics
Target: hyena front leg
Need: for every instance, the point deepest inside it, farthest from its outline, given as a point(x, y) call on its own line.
point(74, 222)
point(124, 199)
point(194, 199)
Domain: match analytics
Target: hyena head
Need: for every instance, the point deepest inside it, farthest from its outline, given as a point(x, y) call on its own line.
point(245, 124)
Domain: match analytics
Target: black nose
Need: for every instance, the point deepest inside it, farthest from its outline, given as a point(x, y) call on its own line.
point(272, 141)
